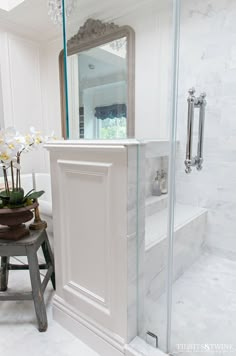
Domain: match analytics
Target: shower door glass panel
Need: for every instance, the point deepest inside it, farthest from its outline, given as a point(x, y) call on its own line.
point(153, 114)
point(204, 266)
point(144, 87)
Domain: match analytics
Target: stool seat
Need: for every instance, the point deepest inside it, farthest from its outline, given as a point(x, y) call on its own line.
point(28, 240)
point(28, 246)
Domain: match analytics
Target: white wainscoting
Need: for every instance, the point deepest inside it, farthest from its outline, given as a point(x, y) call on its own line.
point(90, 209)
point(89, 184)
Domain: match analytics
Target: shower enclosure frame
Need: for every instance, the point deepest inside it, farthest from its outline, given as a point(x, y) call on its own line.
point(172, 165)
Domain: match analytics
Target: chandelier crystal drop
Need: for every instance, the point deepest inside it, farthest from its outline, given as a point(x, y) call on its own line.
point(55, 9)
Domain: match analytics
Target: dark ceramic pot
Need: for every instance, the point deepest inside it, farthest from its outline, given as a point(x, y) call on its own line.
point(12, 222)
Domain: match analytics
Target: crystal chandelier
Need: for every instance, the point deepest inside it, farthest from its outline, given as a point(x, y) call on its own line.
point(55, 9)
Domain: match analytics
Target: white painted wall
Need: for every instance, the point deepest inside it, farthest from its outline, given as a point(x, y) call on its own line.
point(30, 90)
point(1, 103)
point(49, 72)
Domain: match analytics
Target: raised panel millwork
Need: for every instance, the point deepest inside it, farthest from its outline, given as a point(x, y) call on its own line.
point(87, 247)
point(89, 191)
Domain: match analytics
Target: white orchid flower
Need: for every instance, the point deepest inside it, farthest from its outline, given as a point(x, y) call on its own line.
point(2, 137)
point(37, 137)
point(34, 131)
point(26, 141)
point(12, 145)
point(52, 137)
point(6, 154)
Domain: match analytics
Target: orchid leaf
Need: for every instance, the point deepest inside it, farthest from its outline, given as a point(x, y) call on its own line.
point(16, 197)
point(35, 195)
point(26, 196)
point(4, 195)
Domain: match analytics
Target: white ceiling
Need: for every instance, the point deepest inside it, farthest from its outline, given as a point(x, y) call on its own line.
point(30, 18)
point(8, 5)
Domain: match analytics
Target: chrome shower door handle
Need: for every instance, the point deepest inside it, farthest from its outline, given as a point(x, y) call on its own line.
point(195, 102)
point(202, 108)
point(189, 145)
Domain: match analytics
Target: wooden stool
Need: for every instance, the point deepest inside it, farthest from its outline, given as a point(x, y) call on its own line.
point(28, 246)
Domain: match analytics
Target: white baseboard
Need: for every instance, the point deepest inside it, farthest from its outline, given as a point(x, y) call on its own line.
point(102, 342)
point(94, 337)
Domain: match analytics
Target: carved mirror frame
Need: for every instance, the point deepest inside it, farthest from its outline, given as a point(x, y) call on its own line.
point(95, 33)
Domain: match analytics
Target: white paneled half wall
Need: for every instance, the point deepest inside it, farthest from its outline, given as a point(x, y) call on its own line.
point(95, 230)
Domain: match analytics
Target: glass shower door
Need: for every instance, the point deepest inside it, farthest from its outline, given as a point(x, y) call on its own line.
point(203, 309)
point(154, 172)
point(94, 75)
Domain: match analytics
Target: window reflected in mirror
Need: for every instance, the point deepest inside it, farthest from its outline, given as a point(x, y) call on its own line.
point(98, 104)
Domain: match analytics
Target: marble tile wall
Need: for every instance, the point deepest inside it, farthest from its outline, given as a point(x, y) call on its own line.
point(189, 241)
point(152, 157)
point(135, 238)
point(208, 62)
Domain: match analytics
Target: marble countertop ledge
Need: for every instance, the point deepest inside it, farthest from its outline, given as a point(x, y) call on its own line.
point(87, 142)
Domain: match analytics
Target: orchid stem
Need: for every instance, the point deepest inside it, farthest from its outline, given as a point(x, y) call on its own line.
point(17, 179)
point(6, 179)
point(12, 176)
point(18, 172)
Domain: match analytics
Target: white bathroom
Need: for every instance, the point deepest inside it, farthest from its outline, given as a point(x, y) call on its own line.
point(136, 102)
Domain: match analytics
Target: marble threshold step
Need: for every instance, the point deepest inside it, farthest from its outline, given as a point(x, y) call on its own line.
point(156, 224)
point(189, 239)
point(154, 204)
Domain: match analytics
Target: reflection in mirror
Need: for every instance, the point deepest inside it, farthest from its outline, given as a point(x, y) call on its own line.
point(102, 91)
point(101, 88)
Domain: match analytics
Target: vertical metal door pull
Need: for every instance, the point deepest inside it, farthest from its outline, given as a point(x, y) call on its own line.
point(200, 103)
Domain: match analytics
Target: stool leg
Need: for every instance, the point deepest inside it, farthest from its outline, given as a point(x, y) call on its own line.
point(48, 255)
point(4, 273)
point(39, 304)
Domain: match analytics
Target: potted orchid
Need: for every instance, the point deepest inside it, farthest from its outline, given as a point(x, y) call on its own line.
point(15, 204)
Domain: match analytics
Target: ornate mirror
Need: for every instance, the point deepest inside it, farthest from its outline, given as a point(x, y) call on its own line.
point(100, 75)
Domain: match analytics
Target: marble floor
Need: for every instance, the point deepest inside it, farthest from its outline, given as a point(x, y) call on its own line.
point(18, 328)
point(204, 312)
point(204, 308)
